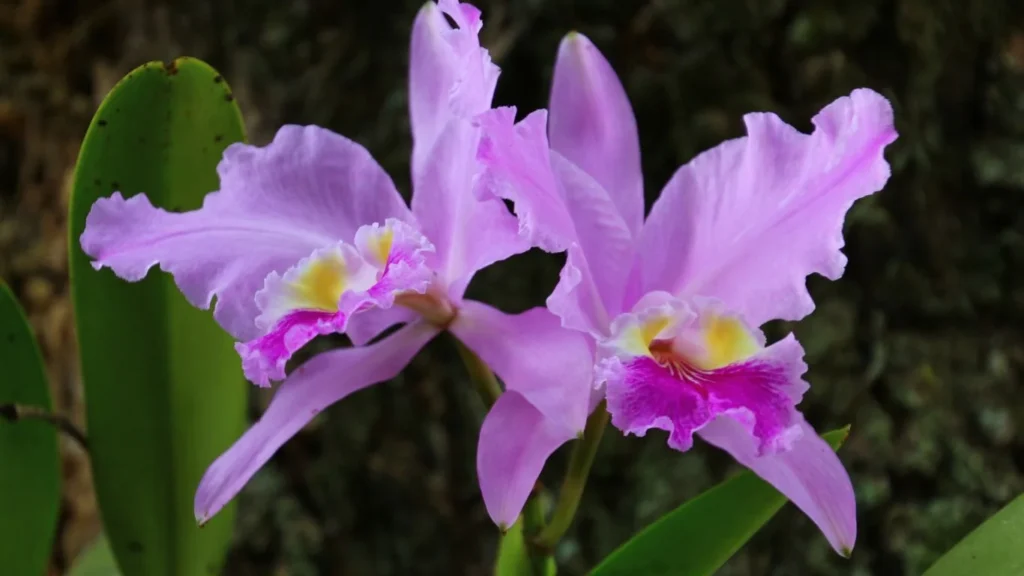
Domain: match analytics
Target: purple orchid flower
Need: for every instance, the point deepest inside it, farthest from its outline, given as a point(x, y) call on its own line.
point(673, 304)
point(309, 236)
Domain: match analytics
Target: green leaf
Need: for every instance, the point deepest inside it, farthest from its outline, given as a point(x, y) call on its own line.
point(29, 461)
point(163, 386)
point(992, 549)
point(96, 560)
point(512, 555)
point(701, 535)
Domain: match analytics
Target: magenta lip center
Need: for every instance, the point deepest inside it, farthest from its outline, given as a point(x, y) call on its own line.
point(679, 367)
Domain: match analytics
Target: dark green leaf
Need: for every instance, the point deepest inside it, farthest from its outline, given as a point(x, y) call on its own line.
point(701, 535)
point(29, 461)
point(164, 392)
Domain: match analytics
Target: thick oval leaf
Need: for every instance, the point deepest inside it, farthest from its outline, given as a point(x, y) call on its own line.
point(95, 560)
point(30, 469)
point(701, 535)
point(993, 549)
point(163, 386)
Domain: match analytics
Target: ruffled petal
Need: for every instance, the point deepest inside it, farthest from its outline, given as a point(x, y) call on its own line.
point(558, 205)
point(450, 74)
point(533, 355)
point(809, 473)
point(322, 292)
point(676, 367)
point(749, 220)
point(469, 233)
point(592, 125)
point(515, 442)
point(575, 299)
point(324, 380)
point(307, 189)
point(518, 168)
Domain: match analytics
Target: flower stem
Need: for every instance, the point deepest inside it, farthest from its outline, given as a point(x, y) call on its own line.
point(580, 460)
point(482, 377)
point(533, 524)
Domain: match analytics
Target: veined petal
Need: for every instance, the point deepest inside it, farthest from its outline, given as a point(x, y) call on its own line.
point(670, 369)
point(749, 220)
point(469, 233)
point(809, 473)
point(533, 355)
point(324, 380)
point(307, 189)
point(558, 205)
point(515, 442)
point(450, 74)
point(319, 294)
point(518, 168)
point(575, 299)
point(592, 125)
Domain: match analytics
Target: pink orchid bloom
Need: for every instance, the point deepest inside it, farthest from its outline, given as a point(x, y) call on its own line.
point(673, 304)
point(309, 236)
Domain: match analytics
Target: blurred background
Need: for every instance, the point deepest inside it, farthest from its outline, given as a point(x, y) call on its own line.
point(919, 346)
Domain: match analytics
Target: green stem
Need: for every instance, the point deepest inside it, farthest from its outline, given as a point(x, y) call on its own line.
point(580, 460)
point(482, 377)
point(533, 524)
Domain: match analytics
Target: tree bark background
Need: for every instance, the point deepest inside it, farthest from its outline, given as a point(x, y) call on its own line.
point(919, 346)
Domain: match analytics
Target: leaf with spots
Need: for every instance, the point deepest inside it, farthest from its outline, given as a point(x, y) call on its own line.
point(29, 462)
point(163, 385)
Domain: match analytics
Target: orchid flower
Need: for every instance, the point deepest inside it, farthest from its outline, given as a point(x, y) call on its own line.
point(308, 236)
point(673, 305)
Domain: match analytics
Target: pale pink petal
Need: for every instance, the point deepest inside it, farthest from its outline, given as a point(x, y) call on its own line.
point(559, 205)
point(307, 189)
point(518, 168)
point(602, 236)
point(515, 442)
point(592, 125)
point(450, 74)
point(365, 326)
point(324, 380)
point(575, 298)
point(749, 220)
point(533, 355)
point(469, 233)
point(809, 474)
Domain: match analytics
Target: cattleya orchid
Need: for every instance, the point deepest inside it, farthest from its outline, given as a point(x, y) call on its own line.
point(672, 305)
point(308, 236)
